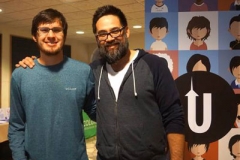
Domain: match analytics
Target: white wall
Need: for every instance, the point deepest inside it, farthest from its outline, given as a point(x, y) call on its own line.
point(79, 51)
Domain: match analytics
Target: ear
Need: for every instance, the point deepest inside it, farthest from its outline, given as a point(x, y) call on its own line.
point(188, 31)
point(127, 32)
point(34, 38)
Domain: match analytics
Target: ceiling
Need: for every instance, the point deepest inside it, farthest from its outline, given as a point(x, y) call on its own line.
point(18, 14)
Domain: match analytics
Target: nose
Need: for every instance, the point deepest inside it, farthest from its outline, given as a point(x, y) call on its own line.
point(50, 33)
point(109, 37)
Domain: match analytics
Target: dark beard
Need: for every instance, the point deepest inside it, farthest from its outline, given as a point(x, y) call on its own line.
point(114, 55)
point(50, 53)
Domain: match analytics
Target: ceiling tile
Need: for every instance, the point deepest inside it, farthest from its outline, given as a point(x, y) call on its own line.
point(19, 13)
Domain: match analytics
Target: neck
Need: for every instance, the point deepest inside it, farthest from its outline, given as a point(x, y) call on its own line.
point(198, 158)
point(238, 80)
point(198, 42)
point(159, 3)
point(48, 60)
point(119, 65)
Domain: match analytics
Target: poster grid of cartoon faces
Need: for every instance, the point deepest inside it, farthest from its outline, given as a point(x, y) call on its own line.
point(183, 30)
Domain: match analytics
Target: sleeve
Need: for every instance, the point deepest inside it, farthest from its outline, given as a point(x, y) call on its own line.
point(168, 99)
point(166, 8)
point(152, 9)
point(90, 105)
point(17, 118)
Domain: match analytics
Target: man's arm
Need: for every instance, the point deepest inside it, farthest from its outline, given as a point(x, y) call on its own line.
point(16, 132)
point(90, 105)
point(171, 110)
point(26, 62)
point(176, 145)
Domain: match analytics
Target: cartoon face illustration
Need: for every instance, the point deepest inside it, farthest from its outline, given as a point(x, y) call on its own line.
point(236, 149)
point(198, 149)
point(234, 146)
point(198, 33)
point(199, 66)
point(158, 28)
point(198, 30)
point(234, 29)
point(198, 62)
point(159, 33)
point(236, 72)
point(198, 26)
point(234, 68)
point(159, 6)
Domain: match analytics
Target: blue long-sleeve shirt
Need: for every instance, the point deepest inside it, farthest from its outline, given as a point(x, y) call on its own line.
point(46, 106)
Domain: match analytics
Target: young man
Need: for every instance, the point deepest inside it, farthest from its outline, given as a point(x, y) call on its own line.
point(47, 101)
point(139, 115)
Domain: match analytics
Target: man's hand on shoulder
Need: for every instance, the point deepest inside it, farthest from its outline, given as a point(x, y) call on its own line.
point(26, 62)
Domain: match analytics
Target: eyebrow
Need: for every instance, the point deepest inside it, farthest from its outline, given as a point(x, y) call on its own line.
point(114, 28)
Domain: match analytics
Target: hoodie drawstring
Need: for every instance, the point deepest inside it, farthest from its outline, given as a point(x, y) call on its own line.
point(134, 82)
point(99, 82)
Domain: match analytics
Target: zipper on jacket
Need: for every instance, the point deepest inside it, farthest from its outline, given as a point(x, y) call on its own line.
point(117, 131)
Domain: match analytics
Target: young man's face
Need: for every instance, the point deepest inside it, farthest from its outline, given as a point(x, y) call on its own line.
point(112, 48)
point(50, 42)
point(236, 72)
point(236, 149)
point(234, 29)
point(159, 33)
point(198, 150)
point(198, 33)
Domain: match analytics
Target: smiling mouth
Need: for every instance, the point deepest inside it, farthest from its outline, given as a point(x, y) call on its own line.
point(111, 45)
point(51, 43)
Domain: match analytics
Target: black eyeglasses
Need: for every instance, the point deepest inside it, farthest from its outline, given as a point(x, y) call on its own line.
point(45, 30)
point(114, 34)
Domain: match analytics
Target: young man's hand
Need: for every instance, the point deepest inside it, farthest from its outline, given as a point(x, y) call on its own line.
point(26, 62)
